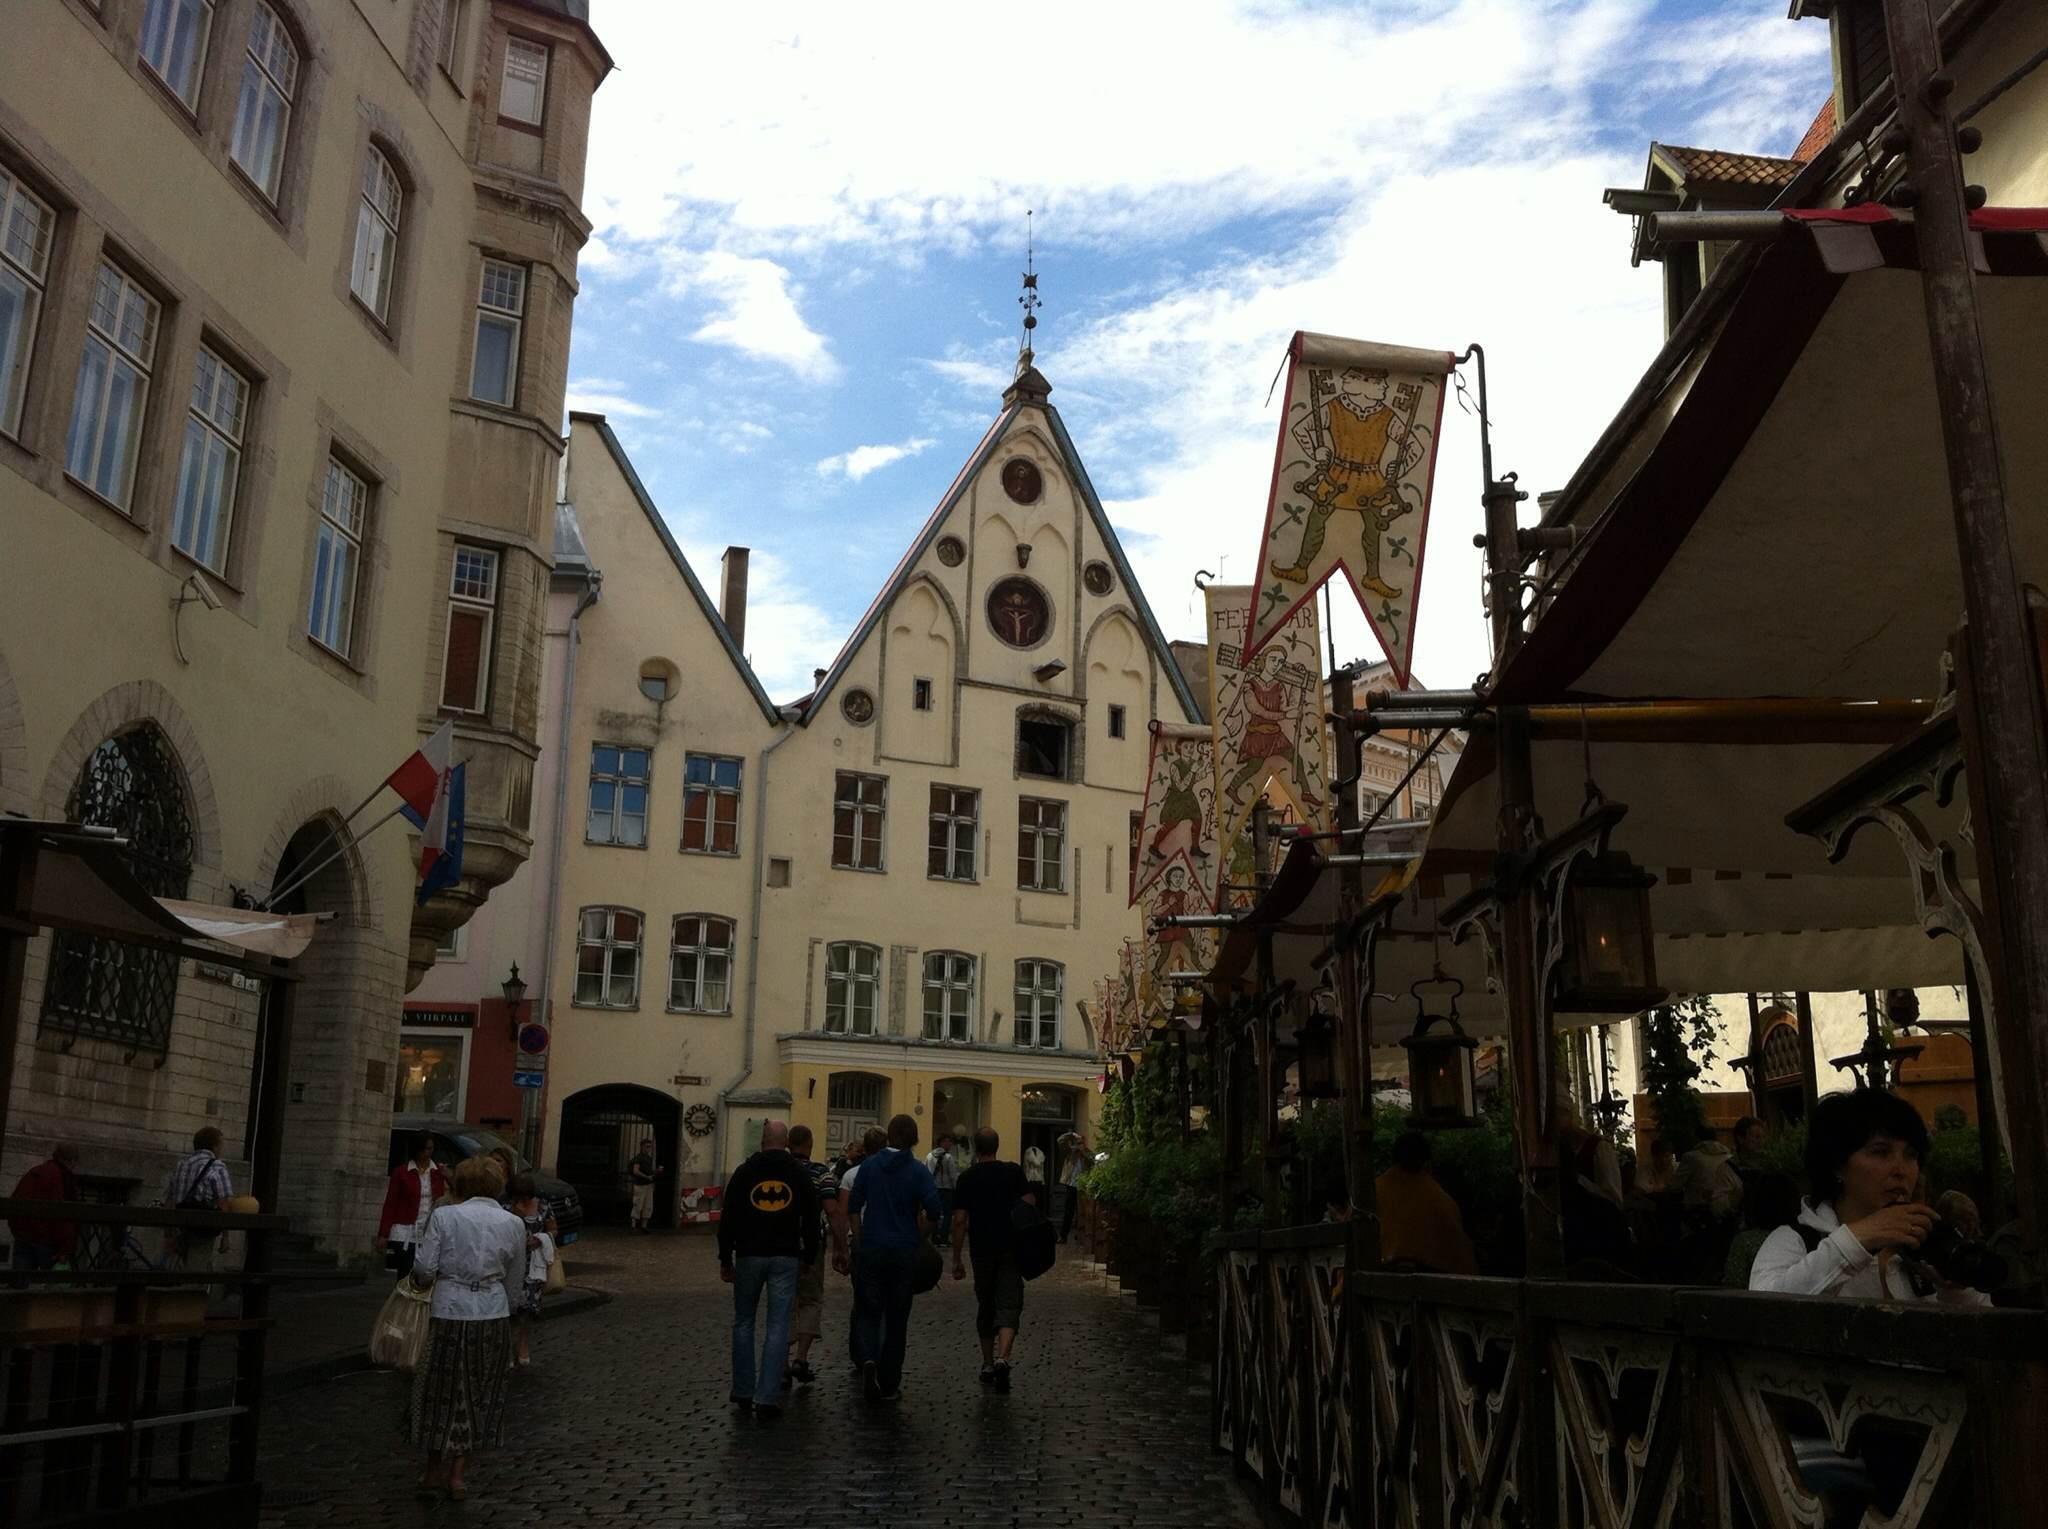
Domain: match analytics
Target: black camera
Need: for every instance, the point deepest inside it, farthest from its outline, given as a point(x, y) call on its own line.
point(1961, 1260)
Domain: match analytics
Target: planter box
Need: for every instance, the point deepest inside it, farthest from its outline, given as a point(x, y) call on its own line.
point(49, 1313)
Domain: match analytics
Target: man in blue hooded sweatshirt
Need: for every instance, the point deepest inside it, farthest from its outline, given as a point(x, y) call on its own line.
point(892, 1202)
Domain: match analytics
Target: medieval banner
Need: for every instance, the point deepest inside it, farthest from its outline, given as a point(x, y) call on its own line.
point(1170, 950)
point(1268, 716)
point(1177, 837)
point(1351, 482)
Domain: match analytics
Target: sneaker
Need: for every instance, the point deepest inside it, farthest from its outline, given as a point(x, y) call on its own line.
point(744, 1404)
point(988, 1375)
point(871, 1383)
point(1002, 1374)
point(802, 1373)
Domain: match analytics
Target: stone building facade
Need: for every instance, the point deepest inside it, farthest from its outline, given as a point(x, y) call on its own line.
point(285, 294)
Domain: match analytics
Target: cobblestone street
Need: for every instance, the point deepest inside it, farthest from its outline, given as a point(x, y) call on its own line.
point(624, 1420)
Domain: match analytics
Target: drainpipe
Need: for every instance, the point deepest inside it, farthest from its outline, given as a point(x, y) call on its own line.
point(753, 947)
point(593, 582)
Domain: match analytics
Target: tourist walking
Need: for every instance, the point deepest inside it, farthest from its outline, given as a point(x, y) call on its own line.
point(46, 1244)
point(890, 1194)
point(640, 1176)
point(199, 1182)
point(1076, 1148)
point(409, 1197)
point(474, 1257)
point(989, 1193)
point(810, 1280)
point(769, 1227)
point(522, 1199)
point(945, 1172)
point(863, 1150)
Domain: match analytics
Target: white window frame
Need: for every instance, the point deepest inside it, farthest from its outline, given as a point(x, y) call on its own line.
point(1041, 984)
point(705, 953)
point(955, 834)
point(870, 821)
point(710, 793)
point(270, 70)
point(620, 780)
point(344, 524)
point(157, 45)
point(116, 299)
point(449, 46)
point(1041, 845)
point(500, 305)
point(380, 213)
point(216, 421)
point(949, 979)
point(27, 226)
point(469, 594)
point(515, 46)
point(854, 969)
point(608, 941)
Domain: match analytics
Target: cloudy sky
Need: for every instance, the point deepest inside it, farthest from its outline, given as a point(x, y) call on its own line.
point(799, 307)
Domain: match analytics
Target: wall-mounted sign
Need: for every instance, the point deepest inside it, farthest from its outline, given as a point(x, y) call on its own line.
point(529, 1079)
point(687, 1080)
point(533, 1039)
point(699, 1119)
point(443, 1018)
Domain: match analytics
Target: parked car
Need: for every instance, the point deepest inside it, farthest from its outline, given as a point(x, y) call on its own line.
point(454, 1143)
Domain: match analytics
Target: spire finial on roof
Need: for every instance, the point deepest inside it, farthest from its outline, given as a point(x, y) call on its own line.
point(1028, 301)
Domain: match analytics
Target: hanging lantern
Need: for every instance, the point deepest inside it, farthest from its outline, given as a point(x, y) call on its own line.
point(1440, 1065)
point(1316, 1053)
point(1609, 963)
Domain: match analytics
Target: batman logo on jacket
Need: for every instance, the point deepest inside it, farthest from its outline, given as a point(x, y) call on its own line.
point(771, 1195)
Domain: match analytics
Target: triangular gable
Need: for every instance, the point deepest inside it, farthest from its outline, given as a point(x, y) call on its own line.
point(675, 552)
point(900, 577)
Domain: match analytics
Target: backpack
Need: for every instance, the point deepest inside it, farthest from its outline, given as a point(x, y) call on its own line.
point(1034, 1245)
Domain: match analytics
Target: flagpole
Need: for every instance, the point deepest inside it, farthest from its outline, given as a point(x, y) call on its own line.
point(354, 839)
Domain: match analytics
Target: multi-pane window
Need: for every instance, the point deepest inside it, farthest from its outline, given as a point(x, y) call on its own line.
point(263, 113)
point(501, 300)
point(711, 804)
point(451, 36)
point(113, 385)
point(956, 830)
point(853, 988)
point(618, 796)
point(700, 964)
point(1041, 845)
point(377, 214)
point(948, 996)
point(338, 559)
point(472, 609)
point(608, 958)
point(174, 34)
point(1038, 1003)
point(25, 225)
point(859, 811)
point(212, 464)
point(524, 95)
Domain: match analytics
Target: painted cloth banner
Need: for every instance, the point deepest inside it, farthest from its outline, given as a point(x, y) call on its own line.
point(1177, 839)
point(1351, 481)
point(1168, 951)
point(1268, 716)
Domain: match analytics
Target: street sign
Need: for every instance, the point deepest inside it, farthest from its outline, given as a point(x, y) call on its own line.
point(687, 1080)
point(528, 1079)
point(533, 1039)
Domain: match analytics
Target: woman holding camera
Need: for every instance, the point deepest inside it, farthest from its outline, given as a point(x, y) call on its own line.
point(1861, 1231)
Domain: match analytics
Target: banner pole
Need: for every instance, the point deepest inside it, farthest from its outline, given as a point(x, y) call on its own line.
point(339, 850)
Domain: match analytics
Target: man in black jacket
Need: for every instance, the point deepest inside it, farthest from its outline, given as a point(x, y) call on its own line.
point(768, 1226)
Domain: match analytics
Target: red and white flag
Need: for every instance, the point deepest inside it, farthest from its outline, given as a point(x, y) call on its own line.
point(423, 779)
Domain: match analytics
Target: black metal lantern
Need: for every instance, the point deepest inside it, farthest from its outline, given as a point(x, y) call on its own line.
point(1440, 1063)
point(515, 995)
point(1316, 1052)
point(1609, 961)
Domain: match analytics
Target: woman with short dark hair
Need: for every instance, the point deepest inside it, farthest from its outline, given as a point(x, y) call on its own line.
point(1861, 1222)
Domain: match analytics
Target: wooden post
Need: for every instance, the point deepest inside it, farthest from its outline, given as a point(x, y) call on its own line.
point(1266, 1022)
point(1354, 997)
point(2005, 730)
point(1755, 1070)
point(1873, 1042)
point(280, 998)
point(1809, 1081)
point(1989, 1138)
point(16, 878)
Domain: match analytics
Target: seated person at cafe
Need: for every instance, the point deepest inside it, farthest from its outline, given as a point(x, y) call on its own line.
point(1419, 1223)
point(1861, 1227)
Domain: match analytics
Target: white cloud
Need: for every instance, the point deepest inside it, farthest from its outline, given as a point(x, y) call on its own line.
point(856, 464)
point(604, 395)
point(755, 311)
point(787, 634)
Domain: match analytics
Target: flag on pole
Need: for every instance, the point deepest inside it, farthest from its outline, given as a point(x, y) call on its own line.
point(1351, 480)
point(441, 839)
point(421, 778)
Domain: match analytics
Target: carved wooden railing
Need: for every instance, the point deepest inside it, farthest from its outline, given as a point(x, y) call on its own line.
point(1411, 1401)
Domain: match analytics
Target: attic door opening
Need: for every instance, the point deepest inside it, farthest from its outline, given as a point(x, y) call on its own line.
point(1043, 747)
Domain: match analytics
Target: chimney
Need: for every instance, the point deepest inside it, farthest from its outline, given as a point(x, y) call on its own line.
point(732, 594)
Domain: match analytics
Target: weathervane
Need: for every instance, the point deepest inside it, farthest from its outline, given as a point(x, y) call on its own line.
point(1029, 300)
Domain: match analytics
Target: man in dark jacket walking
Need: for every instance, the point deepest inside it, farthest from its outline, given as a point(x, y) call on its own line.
point(983, 1206)
point(768, 1228)
point(892, 1201)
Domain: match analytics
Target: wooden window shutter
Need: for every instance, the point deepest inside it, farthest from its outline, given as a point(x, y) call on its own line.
point(462, 673)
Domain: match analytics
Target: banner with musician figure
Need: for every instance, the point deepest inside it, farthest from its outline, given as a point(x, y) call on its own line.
point(1351, 483)
point(1268, 716)
point(1179, 826)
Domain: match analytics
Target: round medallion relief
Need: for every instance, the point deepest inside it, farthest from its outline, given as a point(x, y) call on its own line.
point(1022, 480)
point(952, 551)
point(1098, 578)
point(858, 707)
point(1019, 613)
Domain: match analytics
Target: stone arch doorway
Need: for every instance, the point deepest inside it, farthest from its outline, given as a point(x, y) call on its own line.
point(1050, 1111)
point(960, 1106)
point(854, 1101)
point(602, 1128)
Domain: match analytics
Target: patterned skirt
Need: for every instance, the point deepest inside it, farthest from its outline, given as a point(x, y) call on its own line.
point(458, 1391)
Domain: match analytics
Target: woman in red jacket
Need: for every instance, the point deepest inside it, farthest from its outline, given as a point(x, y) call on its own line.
point(408, 1201)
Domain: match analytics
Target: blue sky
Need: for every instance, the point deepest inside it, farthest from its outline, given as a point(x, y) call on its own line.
point(799, 305)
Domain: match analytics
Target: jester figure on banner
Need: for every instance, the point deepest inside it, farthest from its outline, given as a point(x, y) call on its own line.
point(1267, 711)
point(1179, 826)
point(1351, 483)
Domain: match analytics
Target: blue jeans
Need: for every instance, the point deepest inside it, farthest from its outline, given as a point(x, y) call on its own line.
point(882, 1311)
point(749, 1277)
